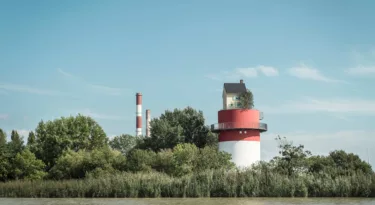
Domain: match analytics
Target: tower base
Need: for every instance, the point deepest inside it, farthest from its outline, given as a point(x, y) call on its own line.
point(244, 153)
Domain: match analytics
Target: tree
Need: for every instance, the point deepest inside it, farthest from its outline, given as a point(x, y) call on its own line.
point(321, 164)
point(16, 144)
point(247, 100)
point(27, 166)
point(3, 138)
point(4, 162)
point(179, 126)
point(31, 142)
point(346, 163)
point(31, 139)
point(164, 162)
point(211, 158)
point(123, 143)
point(140, 160)
point(293, 158)
point(185, 156)
point(75, 133)
point(76, 165)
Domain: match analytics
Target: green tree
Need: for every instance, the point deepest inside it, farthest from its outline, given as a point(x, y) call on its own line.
point(75, 133)
point(293, 159)
point(247, 100)
point(14, 147)
point(4, 162)
point(179, 126)
point(75, 165)
point(321, 164)
point(123, 143)
point(164, 162)
point(140, 160)
point(211, 158)
point(16, 144)
point(185, 156)
point(31, 142)
point(347, 163)
point(27, 166)
point(3, 138)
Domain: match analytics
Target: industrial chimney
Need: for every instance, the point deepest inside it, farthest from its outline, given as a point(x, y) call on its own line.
point(148, 119)
point(138, 131)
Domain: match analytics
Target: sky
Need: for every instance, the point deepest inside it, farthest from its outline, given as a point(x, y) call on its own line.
point(309, 64)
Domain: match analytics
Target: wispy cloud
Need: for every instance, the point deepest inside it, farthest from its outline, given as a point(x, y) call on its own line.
point(366, 71)
point(268, 70)
point(244, 72)
point(307, 73)
point(365, 64)
point(88, 112)
point(65, 73)
point(30, 89)
point(4, 116)
point(332, 105)
point(108, 90)
point(248, 72)
point(94, 87)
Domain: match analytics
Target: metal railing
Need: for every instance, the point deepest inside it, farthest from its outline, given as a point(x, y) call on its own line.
point(261, 115)
point(239, 125)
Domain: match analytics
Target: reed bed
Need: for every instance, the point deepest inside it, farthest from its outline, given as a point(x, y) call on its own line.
point(211, 183)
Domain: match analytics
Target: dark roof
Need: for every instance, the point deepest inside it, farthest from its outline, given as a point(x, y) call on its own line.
point(234, 87)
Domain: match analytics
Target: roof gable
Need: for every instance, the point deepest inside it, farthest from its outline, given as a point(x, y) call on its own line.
point(234, 87)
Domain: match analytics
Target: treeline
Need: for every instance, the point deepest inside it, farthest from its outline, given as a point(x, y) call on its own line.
point(73, 157)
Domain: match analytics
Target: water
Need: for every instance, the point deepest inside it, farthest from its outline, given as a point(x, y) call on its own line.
point(197, 201)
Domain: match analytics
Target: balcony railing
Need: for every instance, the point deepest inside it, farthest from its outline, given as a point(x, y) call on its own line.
point(262, 127)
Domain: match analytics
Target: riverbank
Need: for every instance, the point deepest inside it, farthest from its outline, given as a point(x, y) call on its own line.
point(216, 183)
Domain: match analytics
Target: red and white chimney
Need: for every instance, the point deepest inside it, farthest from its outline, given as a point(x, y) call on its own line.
point(138, 131)
point(148, 119)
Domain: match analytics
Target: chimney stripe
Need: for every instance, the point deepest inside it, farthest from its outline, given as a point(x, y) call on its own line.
point(138, 131)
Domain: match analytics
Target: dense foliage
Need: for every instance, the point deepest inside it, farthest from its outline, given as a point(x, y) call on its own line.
point(179, 126)
point(247, 100)
point(72, 157)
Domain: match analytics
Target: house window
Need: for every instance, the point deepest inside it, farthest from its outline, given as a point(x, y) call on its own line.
point(231, 105)
point(238, 104)
point(236, 98)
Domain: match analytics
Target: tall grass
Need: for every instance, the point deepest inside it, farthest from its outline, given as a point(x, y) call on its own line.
point(214, 183)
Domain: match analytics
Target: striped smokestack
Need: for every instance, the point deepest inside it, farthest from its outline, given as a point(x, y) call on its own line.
point(148, 119)
point(138, 131)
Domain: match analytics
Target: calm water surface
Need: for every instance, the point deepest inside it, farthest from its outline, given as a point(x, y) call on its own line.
point(216, 201)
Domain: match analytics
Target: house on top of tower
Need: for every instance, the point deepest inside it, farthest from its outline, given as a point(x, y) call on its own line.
point(231, 95)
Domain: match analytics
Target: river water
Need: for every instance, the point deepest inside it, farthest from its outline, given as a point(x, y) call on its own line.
point(196, 201)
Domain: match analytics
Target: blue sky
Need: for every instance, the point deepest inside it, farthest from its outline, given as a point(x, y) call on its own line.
point(310, 64)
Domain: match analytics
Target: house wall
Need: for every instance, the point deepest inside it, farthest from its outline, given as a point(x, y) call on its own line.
point(229, 99)
point(224, 96)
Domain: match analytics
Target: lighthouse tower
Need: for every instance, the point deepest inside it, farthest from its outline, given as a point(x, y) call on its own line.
point(239, 129)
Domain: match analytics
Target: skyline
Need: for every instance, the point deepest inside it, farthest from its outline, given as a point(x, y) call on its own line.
point(310, 65)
